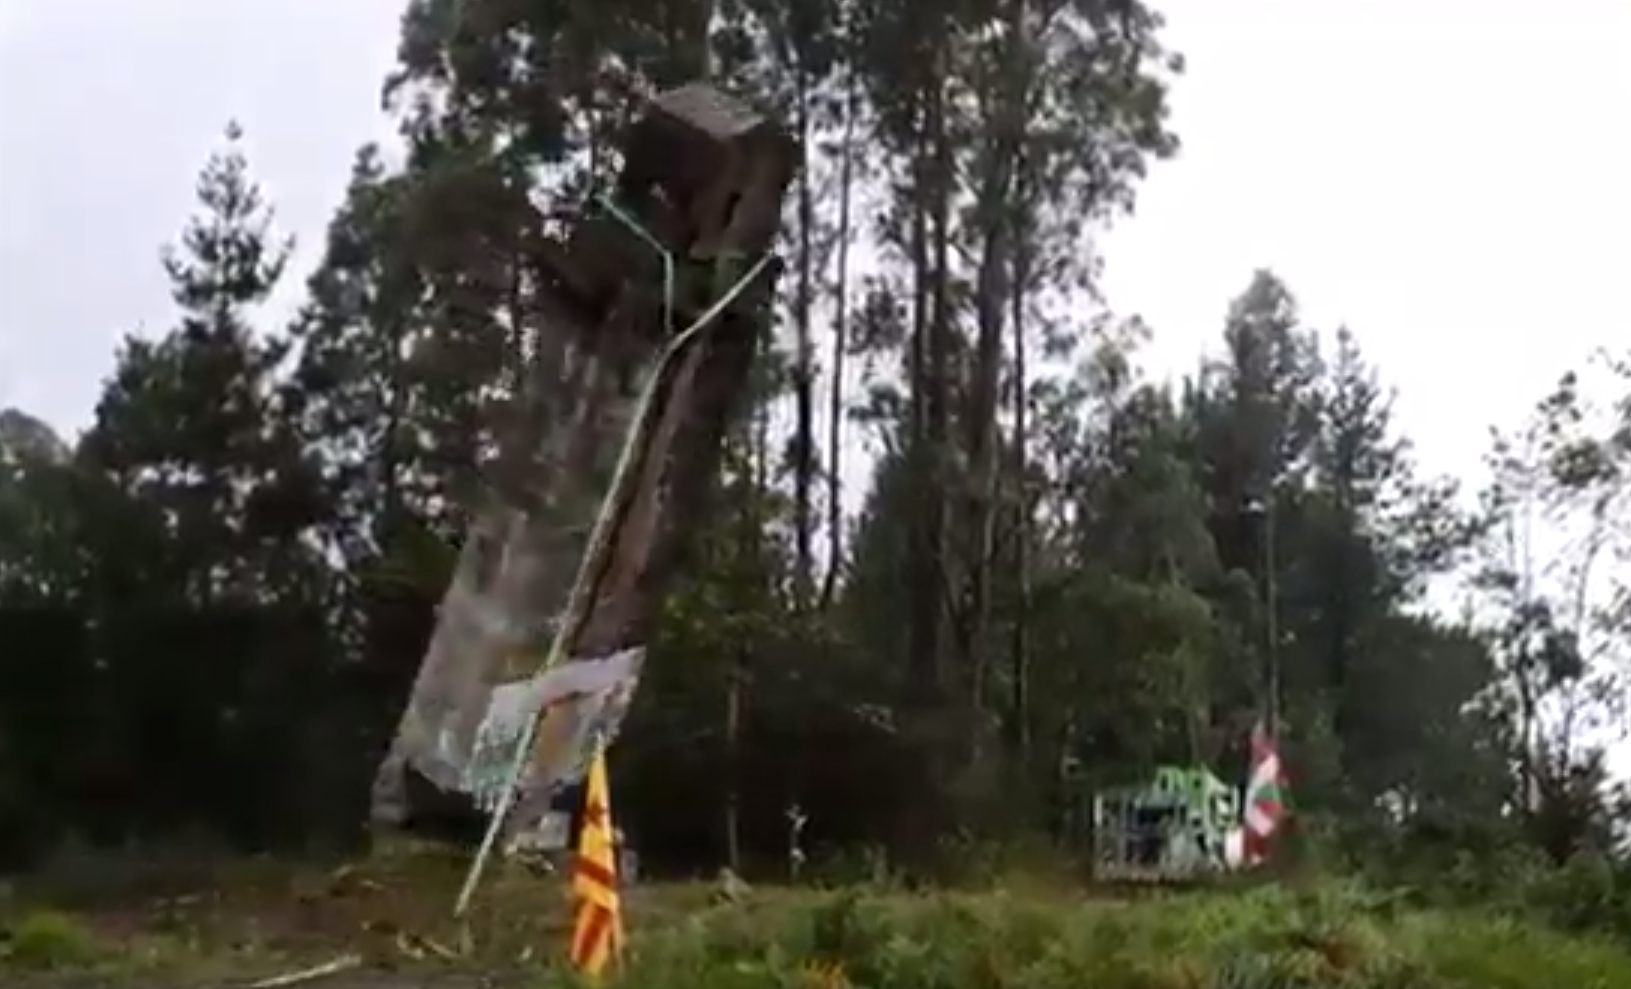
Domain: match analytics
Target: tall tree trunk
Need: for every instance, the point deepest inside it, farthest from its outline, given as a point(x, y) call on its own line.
point(804, 358)
point(733, 746)
point(1020, 644)
point(925, 592)
point(840, 343)
point(997, 216)
point(939, 564)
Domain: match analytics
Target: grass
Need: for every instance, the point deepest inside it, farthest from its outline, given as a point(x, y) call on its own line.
point(1262, 939)
point(394, 912)
point(204, 921)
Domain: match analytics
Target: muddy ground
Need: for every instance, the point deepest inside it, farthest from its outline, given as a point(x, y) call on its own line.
point(239, 923)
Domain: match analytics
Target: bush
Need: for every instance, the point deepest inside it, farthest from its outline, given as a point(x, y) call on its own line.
point(1264, 939)
point(1586, 894)
point(46, 939)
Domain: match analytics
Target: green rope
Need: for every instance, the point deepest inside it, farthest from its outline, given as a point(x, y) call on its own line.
point(581, 599)
point(639, 230)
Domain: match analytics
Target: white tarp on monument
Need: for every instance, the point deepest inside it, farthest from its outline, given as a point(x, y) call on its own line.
point(583, 704)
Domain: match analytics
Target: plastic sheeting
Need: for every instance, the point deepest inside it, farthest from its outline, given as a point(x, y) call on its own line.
point(579, 707)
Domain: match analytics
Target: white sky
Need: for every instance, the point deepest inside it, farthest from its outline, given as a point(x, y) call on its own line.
point(1442, 175)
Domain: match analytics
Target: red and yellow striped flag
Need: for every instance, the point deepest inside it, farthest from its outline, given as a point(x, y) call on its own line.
point(597, 934)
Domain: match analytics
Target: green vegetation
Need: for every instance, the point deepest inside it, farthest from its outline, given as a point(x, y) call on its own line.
point(970, 559)
point(47, 939)
point(1264, 939)
point(1319, 937)
point(1030, 925)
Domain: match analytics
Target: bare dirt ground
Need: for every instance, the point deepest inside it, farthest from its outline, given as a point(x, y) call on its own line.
point(245, 923)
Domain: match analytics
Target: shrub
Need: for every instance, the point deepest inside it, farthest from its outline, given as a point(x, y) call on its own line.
point(46, 939)
point(1588, 893)
point(1332, 937)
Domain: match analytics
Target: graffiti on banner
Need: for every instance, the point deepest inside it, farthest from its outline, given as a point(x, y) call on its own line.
point(583, 702)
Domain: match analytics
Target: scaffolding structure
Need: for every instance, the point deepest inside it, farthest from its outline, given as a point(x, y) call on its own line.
point(1177, 827)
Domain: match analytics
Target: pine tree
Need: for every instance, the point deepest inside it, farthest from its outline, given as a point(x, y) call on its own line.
point(190, 423)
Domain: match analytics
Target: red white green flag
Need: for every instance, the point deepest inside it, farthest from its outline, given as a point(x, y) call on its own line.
point(1265, 796)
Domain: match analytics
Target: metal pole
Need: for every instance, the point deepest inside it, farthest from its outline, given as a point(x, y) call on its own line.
point(1271, 592)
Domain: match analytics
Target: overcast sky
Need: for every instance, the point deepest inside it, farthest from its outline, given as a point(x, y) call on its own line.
point(1442, 175)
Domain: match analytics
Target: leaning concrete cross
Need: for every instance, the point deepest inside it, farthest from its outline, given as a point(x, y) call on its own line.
point(638, 341)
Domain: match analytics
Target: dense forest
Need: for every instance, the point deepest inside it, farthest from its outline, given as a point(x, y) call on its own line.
point(967, 557)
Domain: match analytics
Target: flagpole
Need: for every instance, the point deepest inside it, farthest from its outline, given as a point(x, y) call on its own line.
point(1271, 582)
point(1269, 700)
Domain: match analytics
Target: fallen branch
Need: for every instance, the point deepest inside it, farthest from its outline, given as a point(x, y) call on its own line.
point(345, 963)
point(416, 946)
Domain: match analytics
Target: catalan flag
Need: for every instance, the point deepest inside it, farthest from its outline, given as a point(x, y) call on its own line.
point(598, 931)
